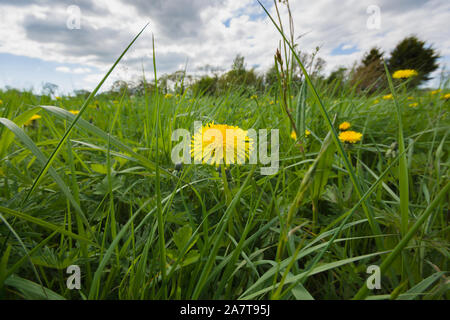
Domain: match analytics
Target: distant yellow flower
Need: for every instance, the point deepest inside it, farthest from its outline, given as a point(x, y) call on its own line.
point(271, 102)
point(30, 121)
point(350, 136)
point(58, 98)
point(75, 112)
point(446, 96)
point(388, 96)
point(403, 74)
point(211, 146)
point(1, 102)
point(293, 135)
point(254, 97)
point(376, 101)
point(344, 126)
point(410, 98)
point(415, 104)
point(168, 95)
point(435, 91)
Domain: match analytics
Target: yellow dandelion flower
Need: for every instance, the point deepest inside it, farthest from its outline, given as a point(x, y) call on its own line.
point(293, 135)
point(254, 97)
point(75, 112)
point(415, 104)
point(1, 102)
point(344, 126)
point(58, 98)
point(350, 136)
point(221, 143)
point(271, 102)
point(376, 101)
point(30, 121)
point(435, 91)
point(168, 95)
point(388, 96)
point(403, 74)
point(446, 96)
point(307, 132)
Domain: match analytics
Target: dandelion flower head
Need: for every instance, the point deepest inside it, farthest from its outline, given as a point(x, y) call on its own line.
point(344, 126)
point(350, 136)
point(404, 74)
point(213, 142)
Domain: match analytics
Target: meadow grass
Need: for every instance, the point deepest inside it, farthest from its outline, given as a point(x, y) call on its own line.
point(98, 189)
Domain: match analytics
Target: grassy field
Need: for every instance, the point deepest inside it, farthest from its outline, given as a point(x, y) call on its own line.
point(141, 233)
point(91, 183)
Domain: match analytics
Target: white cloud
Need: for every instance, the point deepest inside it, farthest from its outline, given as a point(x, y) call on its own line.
point(63, 69)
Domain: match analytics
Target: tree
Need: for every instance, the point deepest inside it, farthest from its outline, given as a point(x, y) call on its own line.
point(271, 76)
point(49, 88)
point(411, 53)
point(370, 76)
point(238, 76)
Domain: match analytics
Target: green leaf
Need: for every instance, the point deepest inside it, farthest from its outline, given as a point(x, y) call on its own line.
point(32, 290)
point(182, 236)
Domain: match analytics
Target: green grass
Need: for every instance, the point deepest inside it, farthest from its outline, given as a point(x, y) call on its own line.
point(99, 190)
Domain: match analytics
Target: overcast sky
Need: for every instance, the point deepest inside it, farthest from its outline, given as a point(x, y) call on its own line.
point(40, 40)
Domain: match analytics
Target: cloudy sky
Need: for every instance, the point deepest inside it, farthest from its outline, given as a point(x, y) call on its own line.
point(42, 41)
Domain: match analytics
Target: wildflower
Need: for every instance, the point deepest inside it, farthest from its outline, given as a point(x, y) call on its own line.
point(168, 95)
point(293, 135)
point(210, 147)
point(344, 126)
point(1, 102)
point(435, 91)
point(350, 136)
point(307, 132)
point(414, 104)
point(75, 112)
point(30, 121)
point(58, 98)
point(410, 98)
point(271, 102)
point(376, 101)
point(388, 96)
point(445, 96)
point(254, 97)
point(403, 74)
